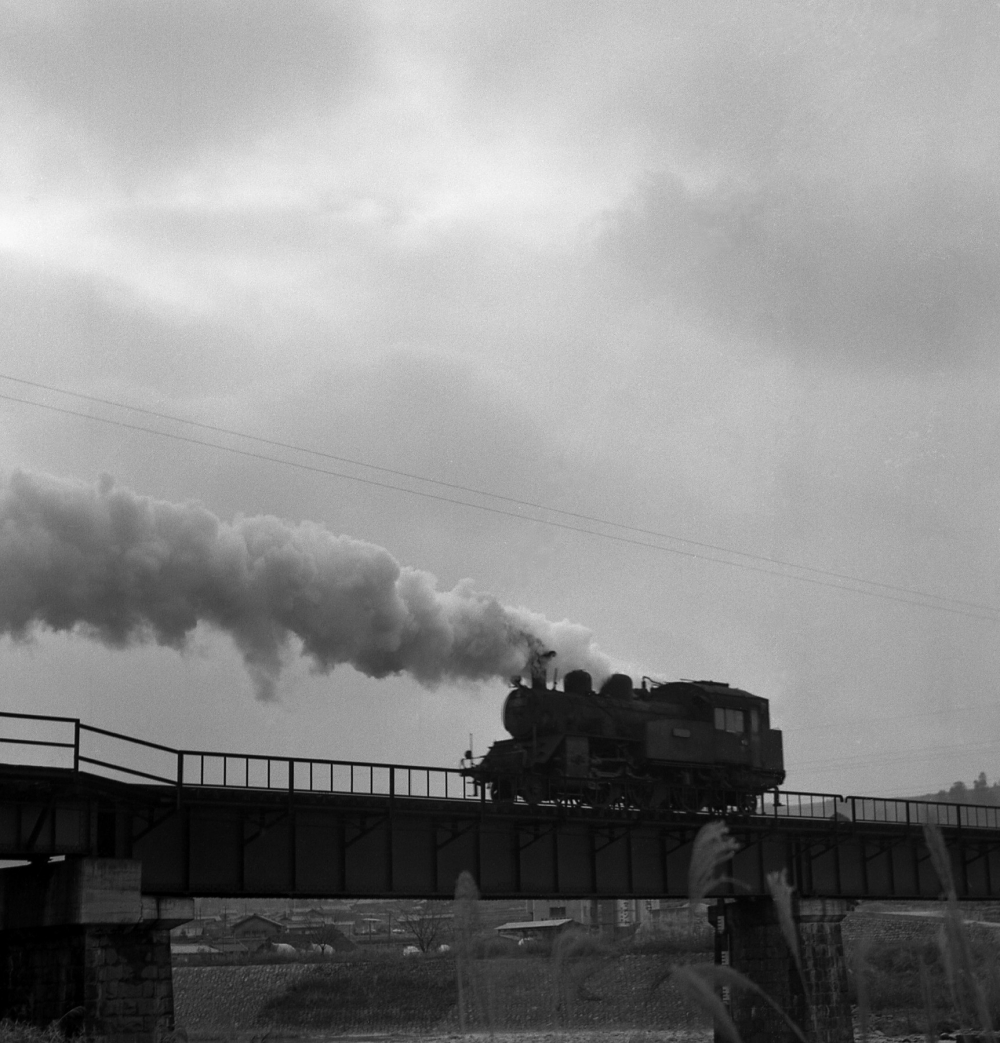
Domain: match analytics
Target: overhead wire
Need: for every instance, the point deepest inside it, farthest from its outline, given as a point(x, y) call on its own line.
point(821, 767)
point(978, 611)
point(498, 511)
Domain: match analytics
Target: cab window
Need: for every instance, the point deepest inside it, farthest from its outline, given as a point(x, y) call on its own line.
point(729, 720)
point(754, 721)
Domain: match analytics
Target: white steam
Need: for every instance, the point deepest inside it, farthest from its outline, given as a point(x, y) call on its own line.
point(124, 569)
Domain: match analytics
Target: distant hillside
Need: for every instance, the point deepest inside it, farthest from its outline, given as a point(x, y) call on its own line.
point(980, 792)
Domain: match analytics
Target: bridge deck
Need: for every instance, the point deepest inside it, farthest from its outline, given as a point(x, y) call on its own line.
point(217, 823)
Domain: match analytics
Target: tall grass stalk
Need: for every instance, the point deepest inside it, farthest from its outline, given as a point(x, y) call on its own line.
point(859, 958)
point(713, 848)
point(466, 926)
point(781, 892)
point(930, 1021)
point(701, 982)
point(967, 991)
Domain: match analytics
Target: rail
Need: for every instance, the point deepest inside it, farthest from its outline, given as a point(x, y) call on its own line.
point(179, 768)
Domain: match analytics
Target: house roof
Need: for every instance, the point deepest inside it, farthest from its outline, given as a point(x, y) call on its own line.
point(265, 920)
point(229, 945)
point(535, 925)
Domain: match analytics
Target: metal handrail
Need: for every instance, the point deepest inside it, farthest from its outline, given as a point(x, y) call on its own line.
point(362, 776)
point(127, 738)
point(130, 771)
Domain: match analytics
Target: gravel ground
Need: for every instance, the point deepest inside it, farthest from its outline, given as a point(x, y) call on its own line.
point(569, 1036)
point(618, 1000)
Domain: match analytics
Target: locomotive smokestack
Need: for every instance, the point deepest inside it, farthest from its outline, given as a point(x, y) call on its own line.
point(539, 668)
point(122, 568)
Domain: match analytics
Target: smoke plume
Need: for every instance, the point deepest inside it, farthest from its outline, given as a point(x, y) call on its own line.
point(124, 569)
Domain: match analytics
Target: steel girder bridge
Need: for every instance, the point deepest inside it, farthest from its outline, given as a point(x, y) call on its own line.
point(230, 824)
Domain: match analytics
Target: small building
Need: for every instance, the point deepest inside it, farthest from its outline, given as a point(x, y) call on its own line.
point(603, 915)
point(537, 930)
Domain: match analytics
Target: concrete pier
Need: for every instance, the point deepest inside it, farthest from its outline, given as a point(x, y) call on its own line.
point(79, 941)
point(751, 941)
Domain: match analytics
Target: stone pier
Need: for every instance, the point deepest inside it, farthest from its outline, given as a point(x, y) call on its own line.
point(79, 942)
point(751, 941)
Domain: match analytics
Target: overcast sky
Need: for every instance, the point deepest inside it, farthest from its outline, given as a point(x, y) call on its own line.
point(722, 272)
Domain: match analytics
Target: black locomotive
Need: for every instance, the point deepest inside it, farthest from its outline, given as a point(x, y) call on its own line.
point(683, 744)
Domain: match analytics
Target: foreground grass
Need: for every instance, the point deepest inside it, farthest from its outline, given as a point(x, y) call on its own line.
point(906, 983)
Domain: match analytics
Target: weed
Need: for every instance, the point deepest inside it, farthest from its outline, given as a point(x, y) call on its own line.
point(21, 1032)
point(713, 848)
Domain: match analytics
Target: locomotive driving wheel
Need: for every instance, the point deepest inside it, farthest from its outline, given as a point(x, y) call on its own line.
point(534, 789)
point(747, 803)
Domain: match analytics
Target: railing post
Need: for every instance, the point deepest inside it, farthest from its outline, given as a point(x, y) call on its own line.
point(180, 776)
point(392, 783)
point(76, 746)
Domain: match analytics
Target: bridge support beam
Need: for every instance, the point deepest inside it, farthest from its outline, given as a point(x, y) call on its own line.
point(78, 936)
point(816, 1000)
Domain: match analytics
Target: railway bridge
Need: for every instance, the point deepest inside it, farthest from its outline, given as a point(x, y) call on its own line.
point(119, 834)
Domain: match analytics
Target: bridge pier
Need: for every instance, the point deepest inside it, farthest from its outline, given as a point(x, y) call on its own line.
point(79, 936)
point(752, 942)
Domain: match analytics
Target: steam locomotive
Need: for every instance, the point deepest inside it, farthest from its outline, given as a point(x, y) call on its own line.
point(683, 745)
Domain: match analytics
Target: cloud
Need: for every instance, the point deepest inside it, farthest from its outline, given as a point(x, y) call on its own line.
point(830, 186)
point(868, 274)
point(154, 84)
point(126, 569)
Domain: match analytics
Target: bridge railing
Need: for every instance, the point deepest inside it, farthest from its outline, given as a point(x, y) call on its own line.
point(858, 809)
point(310, 775)
point(796, 804)
point(921, 812)
point(66, 742)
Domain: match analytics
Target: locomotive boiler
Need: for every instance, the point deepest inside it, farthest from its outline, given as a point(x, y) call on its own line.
point(682, 744)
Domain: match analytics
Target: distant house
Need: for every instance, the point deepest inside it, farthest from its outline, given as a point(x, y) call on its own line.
point(255, 932)
point(197, 928)
point(304, 921)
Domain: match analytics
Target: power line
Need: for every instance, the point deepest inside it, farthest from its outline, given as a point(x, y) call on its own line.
point(477, 492)
point(507, 514)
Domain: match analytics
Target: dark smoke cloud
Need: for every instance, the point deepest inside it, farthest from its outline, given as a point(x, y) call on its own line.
point(124, 569)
